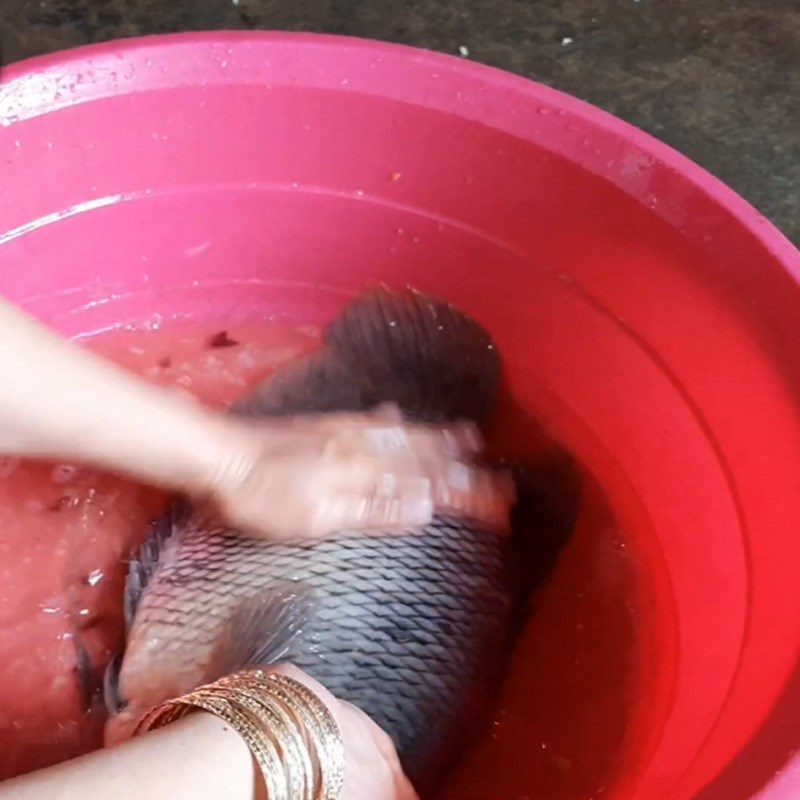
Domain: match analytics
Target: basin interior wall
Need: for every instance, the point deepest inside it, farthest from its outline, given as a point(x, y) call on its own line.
point(644, 314)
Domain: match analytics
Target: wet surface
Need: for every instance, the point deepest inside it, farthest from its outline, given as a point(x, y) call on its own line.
point(717, 79)
point(67, 532)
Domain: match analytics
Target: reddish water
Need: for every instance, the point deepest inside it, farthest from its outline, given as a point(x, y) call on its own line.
point(65, 532)
point(562, 722)
point(561, 729)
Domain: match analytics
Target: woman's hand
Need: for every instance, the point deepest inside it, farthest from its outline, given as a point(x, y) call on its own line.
point(372, 769)
point(282, 478)
point(200, 757)
point(310, 476)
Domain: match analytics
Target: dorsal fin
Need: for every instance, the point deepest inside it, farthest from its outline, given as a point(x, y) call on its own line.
point(403, 347)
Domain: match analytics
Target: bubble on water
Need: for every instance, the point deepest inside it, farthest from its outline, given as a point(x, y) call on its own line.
point(463, 51)
point(63, 473)
point(566, 41)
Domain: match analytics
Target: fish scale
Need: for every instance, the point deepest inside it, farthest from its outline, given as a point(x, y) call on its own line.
point(414, 629)
point(354, 641)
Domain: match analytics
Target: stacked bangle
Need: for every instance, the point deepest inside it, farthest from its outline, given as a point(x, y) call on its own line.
point(289, 730)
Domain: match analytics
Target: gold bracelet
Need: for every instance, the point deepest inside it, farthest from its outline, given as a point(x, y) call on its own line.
point(263, 750)
point(326, 738)
point(299, 768)
point(313, 717)
point(292, 735)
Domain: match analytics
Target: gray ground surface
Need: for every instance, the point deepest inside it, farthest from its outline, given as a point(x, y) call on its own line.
point(717, 79)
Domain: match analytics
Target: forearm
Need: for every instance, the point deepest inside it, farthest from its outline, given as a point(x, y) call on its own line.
point(197, 758)
point(60, 401)
point(301, 477)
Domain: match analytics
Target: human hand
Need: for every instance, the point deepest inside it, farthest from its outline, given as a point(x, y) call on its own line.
point(372, 768)
point(309, 476)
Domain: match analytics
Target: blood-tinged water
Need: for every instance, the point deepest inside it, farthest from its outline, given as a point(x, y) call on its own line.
point(65, 533)
point(560, 730)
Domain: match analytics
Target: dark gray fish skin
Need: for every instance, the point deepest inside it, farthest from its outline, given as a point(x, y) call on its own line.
point(413, 629)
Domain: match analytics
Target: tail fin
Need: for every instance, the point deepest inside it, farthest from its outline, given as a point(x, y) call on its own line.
point(422, 354)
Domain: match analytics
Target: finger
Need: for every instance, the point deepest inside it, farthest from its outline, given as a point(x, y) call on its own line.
point(461, 437)
point(362, 493)
point(473, 493)
point(403, 790)
point(390, 502)
point(458, 441)
point(378, 432)
point(388, 413)
point(408, 496)
point(383, 742)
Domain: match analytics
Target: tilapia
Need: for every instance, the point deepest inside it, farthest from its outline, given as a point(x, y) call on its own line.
point(412, 628)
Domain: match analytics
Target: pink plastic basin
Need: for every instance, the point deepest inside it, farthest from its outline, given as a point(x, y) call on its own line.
point(646, 314)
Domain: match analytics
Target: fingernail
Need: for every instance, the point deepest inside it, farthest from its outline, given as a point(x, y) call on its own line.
point(459, 476)
point(386, 485)
point(388, 411)
point(416, 511)
point(467, 438)
point(390, 439)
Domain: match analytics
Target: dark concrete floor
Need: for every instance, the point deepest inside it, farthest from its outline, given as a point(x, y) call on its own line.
point(717, 79)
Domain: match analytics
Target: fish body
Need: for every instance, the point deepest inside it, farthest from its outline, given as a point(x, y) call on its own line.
point(412, 628)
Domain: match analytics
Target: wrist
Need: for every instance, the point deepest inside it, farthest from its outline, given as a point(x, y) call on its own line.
point(173, 443)
point(224, 461)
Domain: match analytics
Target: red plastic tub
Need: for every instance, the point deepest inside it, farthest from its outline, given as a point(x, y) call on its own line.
point(648, 319)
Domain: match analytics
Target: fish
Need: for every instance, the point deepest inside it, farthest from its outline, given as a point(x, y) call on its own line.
point(414, 628)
